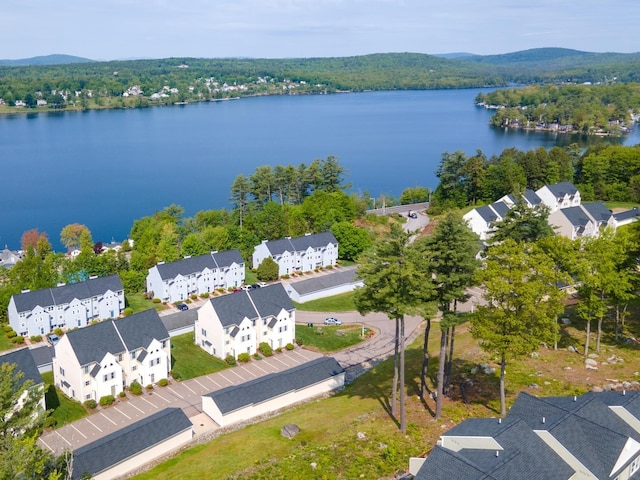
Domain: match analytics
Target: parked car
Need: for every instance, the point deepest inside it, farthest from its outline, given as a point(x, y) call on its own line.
point(332, 321)
point(412, 214)
point(246, 287)
point(182, 306)
point(255, 285)
point(262, 284)
point(52, 338)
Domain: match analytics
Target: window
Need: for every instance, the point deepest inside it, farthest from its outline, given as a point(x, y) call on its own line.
point(133, 355)
point(106, 378)
point(226, 342)
point(204, 332)
point(120, 357)
point(635, 465)
point(88, 396)
point(134, 368)
point(62, 371)
point(86, 369)
point(151, 363)
point(113, 375)
point(164, 343)
point(86, 384)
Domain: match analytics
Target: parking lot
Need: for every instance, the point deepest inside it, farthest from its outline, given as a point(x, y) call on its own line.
point(185, 395)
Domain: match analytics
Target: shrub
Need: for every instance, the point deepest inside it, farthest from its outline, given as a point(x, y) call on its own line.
point(127, 311)
point(175, 375)
point(36, 338)
point(285, 276)
point(11, 334)
point(7, 328)
point(50, 422)
point(156, 300)
point(194, 296)
point(122, 394)
point(267, 270)
point(244, 357)
point(299, 342)
point(204, 295)
point(290, 346)
point(149, 387)
point(279, 349)
point(135, 388)
point(107, 400)
point(257, 356)
point(230, 360)
point(18, 340)
point(265, 349)
point(58, 331)
point(163, 382)
point(91, 404)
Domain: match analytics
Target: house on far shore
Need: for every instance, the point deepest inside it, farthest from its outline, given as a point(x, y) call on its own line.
point(101, 359)
point(299, 254)
point(176, 281)
point(66, 306)
point(237, 323)
point(8, 258)
point(27, 367)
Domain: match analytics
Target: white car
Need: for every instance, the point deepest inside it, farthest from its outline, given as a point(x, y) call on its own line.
point(332, 321)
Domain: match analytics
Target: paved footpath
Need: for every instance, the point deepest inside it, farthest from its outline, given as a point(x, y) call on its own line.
point(187, 394)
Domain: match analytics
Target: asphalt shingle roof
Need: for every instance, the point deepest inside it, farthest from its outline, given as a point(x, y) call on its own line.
point(532, 197)
point(627, 214)
point(341, 277)
point(129, 441)
point(299, 244)
point(501, 208)
point(139, 329)
point(598, 211)
point(66, 293)
point(270, 300)
point(273, 385)
point(24, 363)
point(191, 265)
point(576, 216)
point(42, 355)
point(487, 213)
point(563, 188)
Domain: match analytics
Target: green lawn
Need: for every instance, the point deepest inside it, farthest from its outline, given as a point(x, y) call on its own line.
point(64, 409)
point(329, 339)
point(6, 343)
point(625, 205)
point(338, 303)
point(190, 361)
point(138, 303)
point(249, 277)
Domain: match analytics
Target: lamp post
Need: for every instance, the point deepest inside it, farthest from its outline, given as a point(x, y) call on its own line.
point(374, 202)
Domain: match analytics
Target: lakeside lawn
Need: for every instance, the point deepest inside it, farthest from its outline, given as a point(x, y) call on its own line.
point(328, 339)
point(342, 302)
point(189, 361)
point(64, 409)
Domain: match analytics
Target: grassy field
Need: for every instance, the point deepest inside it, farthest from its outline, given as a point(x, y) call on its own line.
point(328, 339)
point(65, 410)
point(190, 361)
point(139, 303)
point(338, 303)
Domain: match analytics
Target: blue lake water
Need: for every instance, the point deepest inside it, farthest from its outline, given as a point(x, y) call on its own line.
point(106, 168)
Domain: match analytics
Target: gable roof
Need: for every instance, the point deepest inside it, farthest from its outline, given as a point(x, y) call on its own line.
point(191, 265)
point(577, 216)
point(559, 190)
point(500, 208)
point(256, 302)
point(273, 385)
point(66, 293)
point(299, 244)
point(93, 342)
point(24, 363)
point(487, 213)
point(598, 211)
point(129, 441)
point(532, 197)
point(139, 329)
point(627, 214)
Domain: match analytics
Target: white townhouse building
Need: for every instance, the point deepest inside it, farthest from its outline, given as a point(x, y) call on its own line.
point(559, 195)
point(176, 281)
point(237, 323)
point(102, 359)
point(584, 220)
point(299, 254)
point(66, 306)
point(26, 365)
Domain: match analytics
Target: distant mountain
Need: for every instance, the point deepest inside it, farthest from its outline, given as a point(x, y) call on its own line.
point(55, 59)
point(455, 55)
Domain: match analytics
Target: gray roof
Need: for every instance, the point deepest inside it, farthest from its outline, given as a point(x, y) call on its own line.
point(598, 211)
point(501, 208)
point(139, 329)
point(24, 363)
point(235, 307)
point(91, 343)
point(66, 293)
point(298, 244)
point(191, 265)
point(627, 214)
point(129, 441)
point(343, 276)
point(584, 425)
point(532, 197)
point(182, 319)
point(576, 216)
point(487, 214)
point(42, 355)
point(273, 385)
point(563, 188)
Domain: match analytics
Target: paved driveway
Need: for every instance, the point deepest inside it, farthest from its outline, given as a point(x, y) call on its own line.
point(185, 395)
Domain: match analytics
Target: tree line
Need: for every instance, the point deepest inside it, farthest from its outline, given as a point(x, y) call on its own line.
point(602, 172)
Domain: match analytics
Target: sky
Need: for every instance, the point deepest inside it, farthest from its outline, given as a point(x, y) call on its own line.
point(127, 29)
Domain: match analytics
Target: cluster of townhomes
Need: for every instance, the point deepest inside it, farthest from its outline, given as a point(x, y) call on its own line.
point(66, 306)
point(567, 214)
point(595, 436)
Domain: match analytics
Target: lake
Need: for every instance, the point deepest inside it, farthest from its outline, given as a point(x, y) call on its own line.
point(106, 168)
